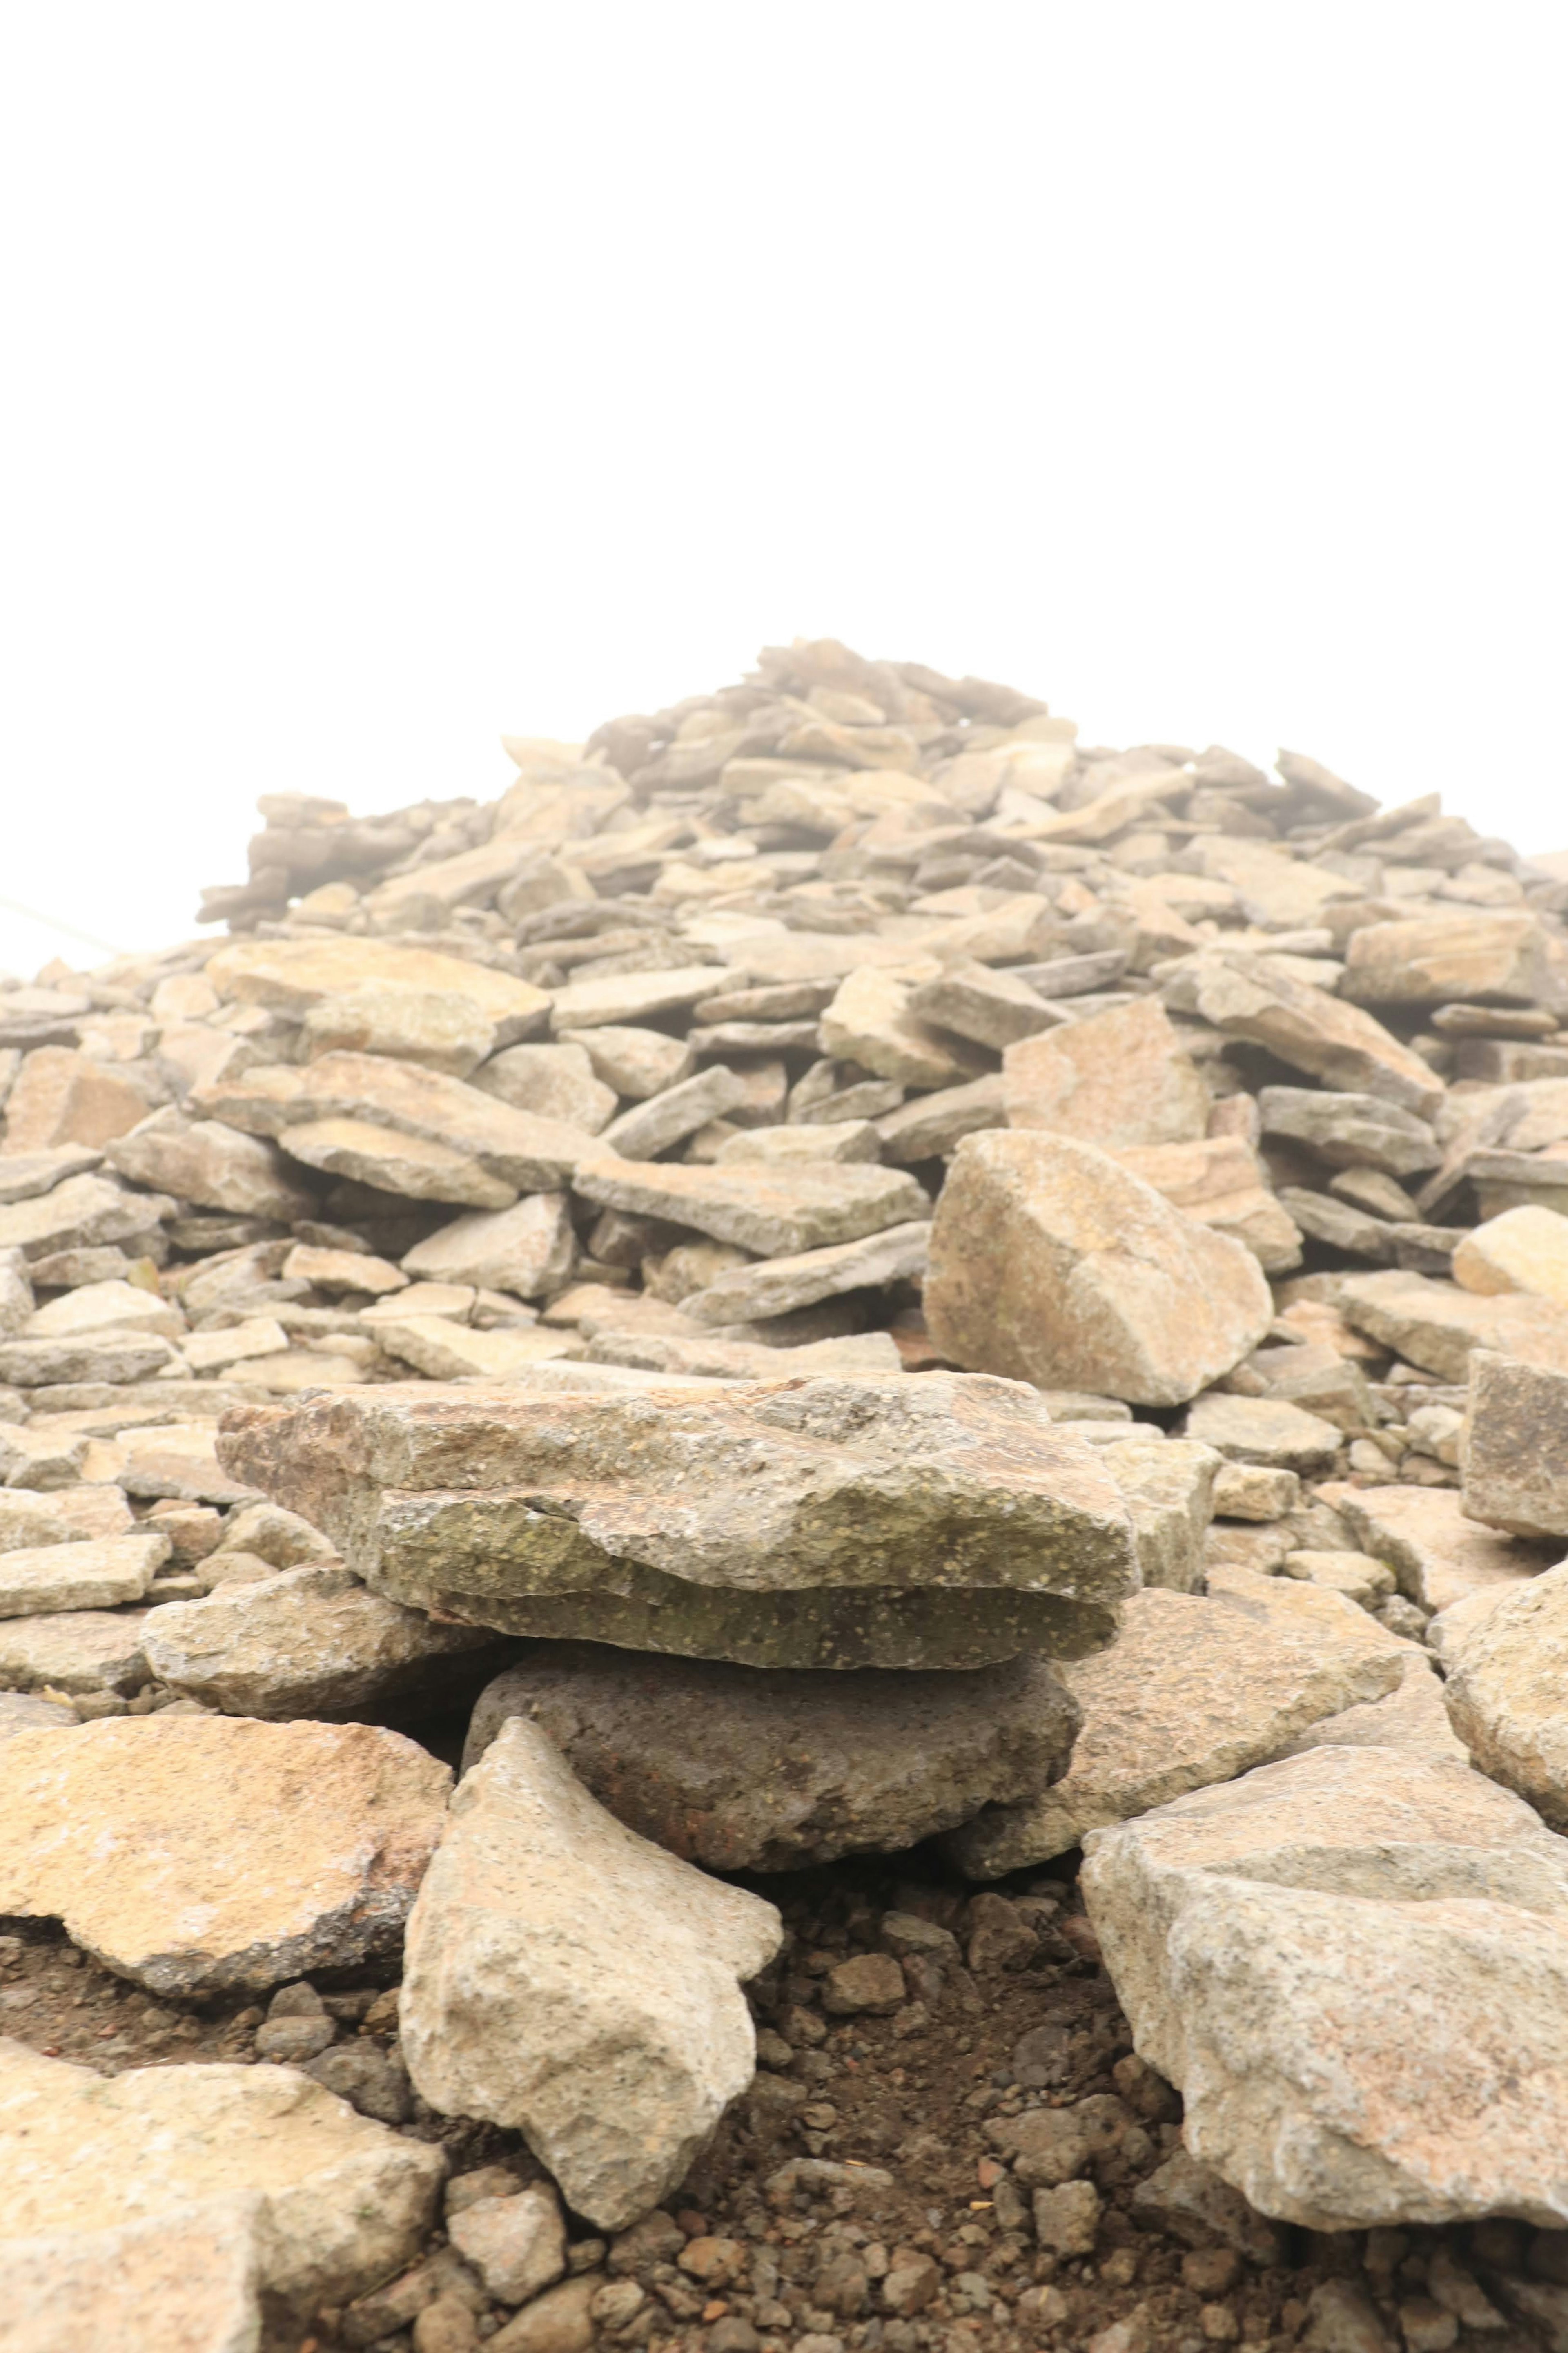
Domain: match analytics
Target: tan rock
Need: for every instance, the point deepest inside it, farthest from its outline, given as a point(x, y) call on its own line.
point(565, 1978)
point(24, 1175)
point(342, 1270)
point(991, 1008)
point(552, 1082)
point(1353, 1965)
point(1116, 1079)
point(1221, 1181)
point(527, 1250)
point(1051, 1264)
point(1504, 1692)
point(325, 2201)
point(75, 1651)
point(28, 1517)
point(1435, 1324)
point(1500, 959)
point(1438, 1553)
point(78, 1575)
point(1412, 1718)
point(437, 1027)
point(445, 1351)
point(77, 1214)
point(527, 1153)
point(253, 1853)
point(619, 999)
point(62, 1096)
point(1249, 996)
point(1246, 1491)
point(209, 1164)
point(1168, 1487)
point(294, 974)
point(869, 1022)
point(1514, 1447)
point(633, 1062)
point(111, 1306)
point(776, 1286)
point(410, 1164)
point(177, 1461)
point(1267, 1430)
point(782, 1147)
point(1356, 1575)
point(1525, 1250)
point(776, 1212)
point(932, 1125)
point(186, 2281)
point(1190, 1692)
point(664, 1120)
point(1283, 893)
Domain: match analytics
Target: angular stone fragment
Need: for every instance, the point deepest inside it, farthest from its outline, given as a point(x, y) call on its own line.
point(1167, 1486)
point(91, 1357)
point(1190, 1692)
point(1504, 1692)
point(308, 1642)
point(24, 1175)
point(1356, 1575)
point(527, 1250)
point(744, 1771)
point(774, 1211)
point(634, 1062)
point(410, 1164)
point(777, 1286)
point(1051, 1264)
point(77, 1650)
point(1246, 1491)
point(1354, 1965)
point(565, 1978)
point(26, 1712)
point(247, 1853)
point(437, 1027)
point(1411, 1717)
point(1514, 1447)
point(1221, 1181)
point(77, 1214)
point(1498, 959)
point(177, 1461)
point(1265, 1430)
point(214, 1166)
point(931, 1125)
point(295, 975)
point(246, 2177)
point(991, 1008)
point(448, 1351)
point(870, 1022)
point(64, 1097)
point(1249, 996)
point(808, 1523)
point(1525, 1250)
point(1119, 1078)
point(1351, 1131)
point(617, 1000)
point(114, 1307)
point(651, 1127)
point(552, 1082)
point(26, 1518)
point(1437, 1324)
point(36, 1580)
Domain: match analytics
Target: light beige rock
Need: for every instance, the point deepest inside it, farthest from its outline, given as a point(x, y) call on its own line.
point(36, 1580)
point(1504, 1692)
point(1267, 1430)
point(869, 1022)
point(777, 1286)
point(77, 1214)
point(184, 2283)
point(1220, 1181)
point(1525, 1250)
point(870, 1355)
point(1411, 1717)
point(1313, 1613)
point(342, 1270)
point(445, 1351)
point(777, 1213)
point(932, 1125)
point(633, 1062)
point(1499, 959)
point(1356, 1575)
point(177, 1461)
point(565, 1978)
point(1246, 1491)
point(551, 1082)
point(214, 1165)
point(844, 1139)
point(112, 1306)
point(62, 1096)
point(292, 975)
point(77, 1650)
point(308, 1642)
point(89, 1356)
point(991, 1008)
point(528, 1250)
point(1438, 1553)
point(410, 1164)
point(25, 1176)
point(1051, 1264)
point(1436, 1326)
point(328, 2201)
point(516, 2242)
point(1167, 1485)
point(664, 1120)
point(26, 1518)
point(1353, 1966)
point(1284, 893)
point(1514, 1447)
point(40, 1458)
point(1249, 996)
point(1119, 1078)
point(248, 1853)
point(1189, 1694)
point(618, 999)
point(437, 1028)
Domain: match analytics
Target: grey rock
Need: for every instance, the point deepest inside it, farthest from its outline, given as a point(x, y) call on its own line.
point(651, 1127)
point(1514, 1447)
point(1264, 1430)
point(777, 1286)
point(1351, 1131)
point(775, 1212)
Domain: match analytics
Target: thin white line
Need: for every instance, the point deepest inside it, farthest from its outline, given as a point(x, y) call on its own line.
point(52, 924)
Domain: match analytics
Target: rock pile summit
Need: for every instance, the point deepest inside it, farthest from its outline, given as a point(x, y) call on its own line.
point(782, 1553)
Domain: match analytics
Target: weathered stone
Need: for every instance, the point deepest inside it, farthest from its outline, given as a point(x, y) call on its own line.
point(110, 1307)
point(777, 1213)
point(530, 1153)
point(1051, 1264)
point(614, 1000)
point(27, 1711)
point(565, 1978)
point(1119, 1078)
point(1192, 2202)
point(871, 1355)
point(777, 1286)
point(1434, 1547)
point(76, 1651)
point(1190, 1692)
point(634, 1062)
point(1499, 959)
point(413, 1165)
point(1246, 1491)
point(449, 1351)
point(63, 1097)
point(554, 1082)
point(1250, 996)
point(205, 1162)
point(1167, 1486)
point(1265, 1430)
point(1525, 1250)
point(1356, 1575)
point(248, 2177)
point(517, 2244)
point(742, 1771)
point(295, 975)
point(527, 1250)
point(440, 1028)
point(177, 1461)
point(1514, 1447)
point(1437, 1324)
point(27, 1521)
point(651, 1127)
point(1352, 1966)
point(342, 1270)
point(1308, 1612)
point(1351, 1131)
point(1220, 1180)
point(870, 1021)
point(91, 1357)
point(1411, 1717)
point(24, 1175)
point(253, 1853)
point(991, 1008)
point(439, 1498)
point(77, 1213)
point(38, 1579)
point(781, 1147)
point(307, 1643)
point(932, 1125)
point(1504, 1692)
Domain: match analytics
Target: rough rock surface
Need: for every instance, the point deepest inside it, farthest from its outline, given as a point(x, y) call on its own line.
point(565, 1977)
point(1504, 1692)
point(1514, 1447)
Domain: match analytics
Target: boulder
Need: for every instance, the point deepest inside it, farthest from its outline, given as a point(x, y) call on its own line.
point(744, 1770)
point(1525, 1250)
point(1514, 1447)
point(1351, 1131)
point(1117, 1078)
point(566, 1978)
point(1051, 1264)
point(1469, 954)
point(251, 1853)
point(1504, 1692)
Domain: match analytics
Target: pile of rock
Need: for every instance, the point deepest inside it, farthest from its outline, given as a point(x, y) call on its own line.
point(851, 1271)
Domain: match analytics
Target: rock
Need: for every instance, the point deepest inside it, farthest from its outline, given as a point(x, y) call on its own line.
point(567, 1978)
point(1265, 1431)
point(1050, 1264)
point(1119, 1078)
point(1351, 1131)
point(932, 1125)
point(1191, 1692)
point(1435, 1324)
point(37, 1579)
point(445, 1351)
point(870, 1021)
point(486, 1501)
point(1246, 1491)
point(777, 1286)
point(83, 1212)
point(203, 1161)
point(528, 1250)
point(188, 2280)
point(846, 1139)
point(25, 1175)
point(652, 1127)
point(515, 1147)
point(1437, 1551)
point(63, 1097)
point(295, 975)
point(1193, 2203)
point(261, 1851)
point(1351, 1966)
point(1167, 1486)
point(1498, 959)
point(633, 1062)
point(1067, 2218)
point(24, 1712)
point(440, 1028)
point(1514, 1447)
point(1525, 1250)
point(372, 2082)
point(75, 1651)
point(177, 1461)
point(27, 1519)
point(1308, 1612)
point(1220, 1181)
point(517, 2244)
point(869, 1984)
point(555, 1083)
point(112, 1307)
point(990, 1009)
point(1411, 1717)
point(1504, 1692)
point(322, 2202)
point(557, 2322)
point(776, 1212)
point(744, 1771)
point(1356, 1575)
point(1250, 996)
point(91, 1357)
point(307, 1643)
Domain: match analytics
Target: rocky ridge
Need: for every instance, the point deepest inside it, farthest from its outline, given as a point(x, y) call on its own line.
point(835, 1283)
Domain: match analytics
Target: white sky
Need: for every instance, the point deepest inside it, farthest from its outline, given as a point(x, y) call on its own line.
point(380, 378)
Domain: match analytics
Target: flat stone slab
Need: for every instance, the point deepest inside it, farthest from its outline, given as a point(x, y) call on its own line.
point(782, 1515)
point(75, 1651)
point(1269, 1432)
point(292, 975)
point(1437, 1324)
point(1514, 1446)
point(94, 1573)
point(739, 1769)
point(776, 1286)
point(247, 1853)
point(1190, 1692)
point(774, 1213)
point(565, 1978)
point(1119, 1078)
point(1355, 1967)
point(1505, 1687)
point(1438, 1553)
point(1252, 997)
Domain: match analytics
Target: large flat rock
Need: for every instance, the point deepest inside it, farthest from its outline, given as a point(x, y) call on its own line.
point(203, 1161)
point(1505, 1691)
point(1253, 997)
point(260, 2180)
point(1190, 1692)
point(776, 1286)
point(766, 1514)
point(1435, 1324)
point(1051, 1264)
point(775, 1212)
point(196, 1853)
point(1353, 1966)
point(75, 1651)
point(293, 976)
point(565, 1978)
point(1119, 1078)
point(744, 1771)
point(95, 1573)
point(1435, 1550)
